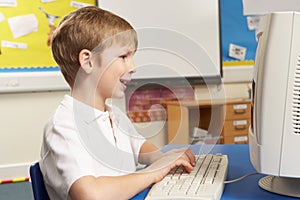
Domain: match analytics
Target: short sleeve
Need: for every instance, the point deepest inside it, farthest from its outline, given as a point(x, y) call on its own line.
point(66, 159)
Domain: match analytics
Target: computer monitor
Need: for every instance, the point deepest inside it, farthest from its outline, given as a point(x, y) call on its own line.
point(274, 135)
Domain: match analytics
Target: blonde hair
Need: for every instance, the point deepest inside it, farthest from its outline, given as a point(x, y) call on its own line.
point(85, 28)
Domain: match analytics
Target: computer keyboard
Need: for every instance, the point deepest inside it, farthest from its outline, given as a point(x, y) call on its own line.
point(206, 181)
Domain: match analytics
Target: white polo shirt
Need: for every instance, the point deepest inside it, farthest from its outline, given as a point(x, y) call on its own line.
point(79, 141)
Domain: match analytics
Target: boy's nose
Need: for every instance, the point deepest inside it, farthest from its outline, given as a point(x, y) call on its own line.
point(132, 70)
point(131, 66)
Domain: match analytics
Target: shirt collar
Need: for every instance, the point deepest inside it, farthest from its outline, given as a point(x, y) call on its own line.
point(87, 113)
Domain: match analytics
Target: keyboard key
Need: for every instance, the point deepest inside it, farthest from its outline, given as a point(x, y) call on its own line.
point(206, 181)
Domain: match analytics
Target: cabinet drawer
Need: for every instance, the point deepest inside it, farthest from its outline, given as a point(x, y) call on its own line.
point(236, 127)
point(238, 111)
point(240, 139)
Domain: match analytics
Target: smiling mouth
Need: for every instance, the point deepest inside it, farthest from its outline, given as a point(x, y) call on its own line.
point(125, 81)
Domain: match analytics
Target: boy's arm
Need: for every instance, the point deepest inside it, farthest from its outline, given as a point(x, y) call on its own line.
point(108, 187)
point(126, 186)
point(149, 153)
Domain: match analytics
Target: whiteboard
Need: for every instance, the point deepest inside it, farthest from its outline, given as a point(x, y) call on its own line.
point(177, 38)
point(266, 6)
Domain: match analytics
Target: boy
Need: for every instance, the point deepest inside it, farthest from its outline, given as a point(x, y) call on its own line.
point(90, 149)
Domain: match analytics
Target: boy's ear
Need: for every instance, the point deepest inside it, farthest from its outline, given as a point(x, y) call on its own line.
point(84, 60)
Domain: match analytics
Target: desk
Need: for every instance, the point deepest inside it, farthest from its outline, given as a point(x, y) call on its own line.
point(238, 165)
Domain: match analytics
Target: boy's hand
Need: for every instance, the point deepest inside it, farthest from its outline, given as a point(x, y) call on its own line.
point(161, 167)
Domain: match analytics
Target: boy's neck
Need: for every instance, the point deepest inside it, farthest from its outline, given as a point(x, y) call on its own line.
point(90, 99)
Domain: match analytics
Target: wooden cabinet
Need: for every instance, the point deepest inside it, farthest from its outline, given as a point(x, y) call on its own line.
point(229, 119)
point(237, 122)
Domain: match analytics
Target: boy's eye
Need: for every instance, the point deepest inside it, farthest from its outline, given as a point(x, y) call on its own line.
point(123, 56)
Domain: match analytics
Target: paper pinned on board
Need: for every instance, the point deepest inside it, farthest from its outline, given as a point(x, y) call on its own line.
point(253, 22)
point(14, 45)
point(8, 3)
point(23, 25)
point(77, 4)
point(237, 52)
point(47, 1)
point(1, 17)
point(261, 7)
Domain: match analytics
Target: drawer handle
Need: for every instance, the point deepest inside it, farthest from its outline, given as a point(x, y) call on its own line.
point(240, 111)
point(245, 142)
point(240, 127)
point(240, 108)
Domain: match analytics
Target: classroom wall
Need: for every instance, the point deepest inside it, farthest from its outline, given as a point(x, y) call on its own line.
point(24, 115)
point(22, 118)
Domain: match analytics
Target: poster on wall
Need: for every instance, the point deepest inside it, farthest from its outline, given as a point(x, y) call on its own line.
point(26, 28)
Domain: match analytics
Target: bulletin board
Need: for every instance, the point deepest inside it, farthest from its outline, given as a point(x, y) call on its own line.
point(235, 30)
point(25, 29)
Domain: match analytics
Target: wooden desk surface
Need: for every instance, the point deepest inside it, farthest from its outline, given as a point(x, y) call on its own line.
point(206, 103)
